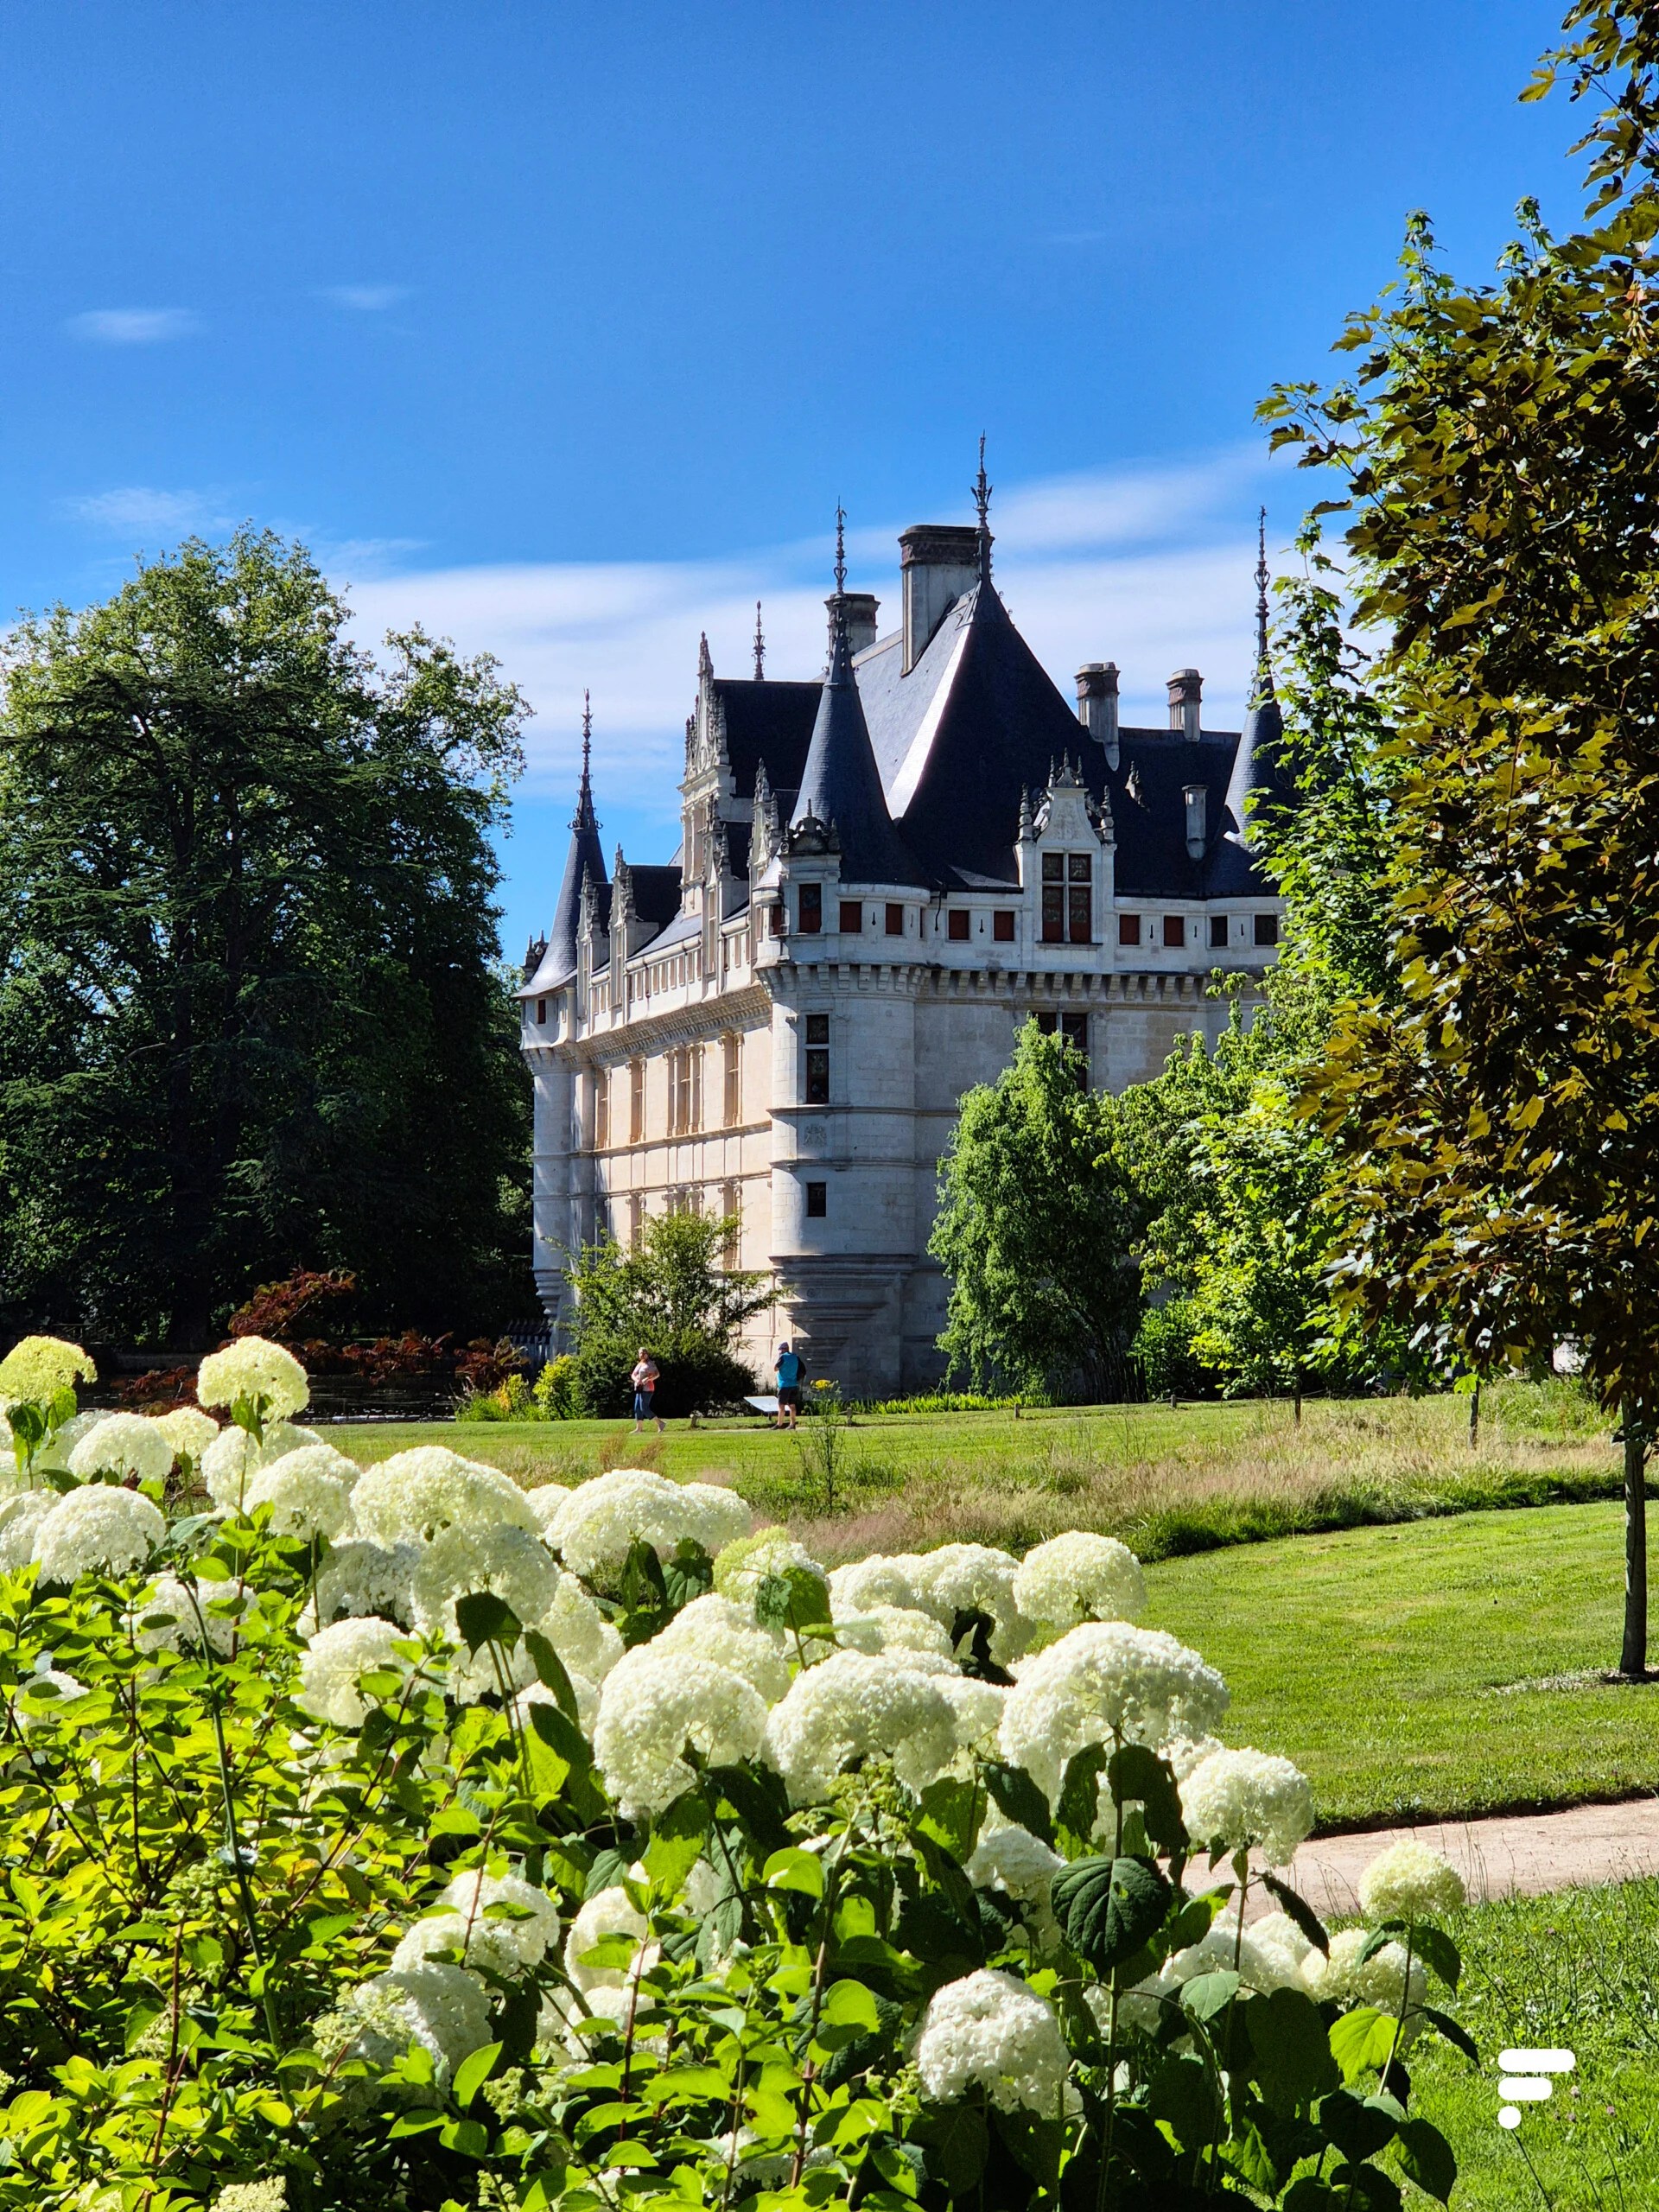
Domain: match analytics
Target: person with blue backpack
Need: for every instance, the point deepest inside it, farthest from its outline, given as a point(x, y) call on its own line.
point(791, 1368)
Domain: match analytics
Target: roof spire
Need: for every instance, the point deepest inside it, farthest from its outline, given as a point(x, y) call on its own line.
point(1264, 682)
point(586, 818)
point(841, 549)
point(982, 492)
point(760, 647)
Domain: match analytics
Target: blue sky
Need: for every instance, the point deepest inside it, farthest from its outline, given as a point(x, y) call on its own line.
point(563, 328)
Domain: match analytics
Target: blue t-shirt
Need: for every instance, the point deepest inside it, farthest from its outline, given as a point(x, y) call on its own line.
point(789, 1371)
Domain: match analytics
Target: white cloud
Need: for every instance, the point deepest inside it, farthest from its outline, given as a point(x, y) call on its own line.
point(131, 508)
point(1149, 567)
point(133, 325)
point(365, 299)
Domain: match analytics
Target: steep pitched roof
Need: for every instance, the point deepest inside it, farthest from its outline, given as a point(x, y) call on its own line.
point(1146, 789)
point(840, 784)
point(766, 721)
point(583, 862)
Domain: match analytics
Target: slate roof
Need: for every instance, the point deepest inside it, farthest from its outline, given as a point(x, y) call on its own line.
point(767, 722)
point(1260, 766)
point(841, 784)
point(1155, 765)
point(656, 893)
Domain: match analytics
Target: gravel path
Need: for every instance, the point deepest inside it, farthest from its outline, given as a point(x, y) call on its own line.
point(1523, 1852)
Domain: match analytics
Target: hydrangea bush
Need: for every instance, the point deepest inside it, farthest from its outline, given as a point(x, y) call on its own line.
point(400, 1840)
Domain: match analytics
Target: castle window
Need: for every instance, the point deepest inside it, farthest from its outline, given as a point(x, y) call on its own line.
point(731, 1249)
point(1002, 925)
point(541, 1010)
point(636, 1102)
point(1267, 928)
point(1053, 898)
point(818, 1201)
point(1080, 876)
point(777, 921)
point(1217, 932)
point(1129, 929)
point(958, 923)
point(684, 1089)
point(852, 917)
point(732, 1050)
point(601, 1109)
point(895, 919)
point(810, 908)
point(1174, 930)
point(1074, 1029)
point(636, 1221)
point(817, 1060)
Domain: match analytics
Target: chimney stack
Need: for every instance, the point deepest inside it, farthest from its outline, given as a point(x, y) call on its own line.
point(861, 608)
point(1196, 798)
point(1186, 690)
point(1098, 704)
point(937, 563)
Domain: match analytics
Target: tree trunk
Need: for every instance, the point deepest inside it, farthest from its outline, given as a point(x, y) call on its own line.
point(1474, 1416)
point(1633, 1662)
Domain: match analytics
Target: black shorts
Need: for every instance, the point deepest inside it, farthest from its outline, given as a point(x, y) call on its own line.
point(789, 1394)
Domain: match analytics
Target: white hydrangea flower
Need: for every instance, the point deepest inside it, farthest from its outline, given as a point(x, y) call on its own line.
point(713, 1627)
point(579, 1632)
point(597, 1524)
point(882, 1579)
point(544, 1501)
point(414, 1494)
point(854, 1705)
point(190, 1431)
point(42, 1694)
point(1079, 1577)
point(37, 1368)
point(461, 1562)
point(973, 1578)
point(611, 1912)
point(253, 1369)
point(538, 1694)
point(988, 2031)
point(20, 1517)
point(125, 1444)
point(1283, 1944)
point(268, 2196)
point(234, 1458)
point(308, 1491)
point(491, 1942)
point(1101, 1679)
point(358, 1577)
point(1246, 1798)
point(333, 1663)
point(165, 1616)
point(975, 1715)
point(652, 1706)
point(1009, 1858)
point(54, 1456)
point(891, 1628)
point(1264, 1959)
point(1410, 1882)
point(1380, 1981)
point(444, 2009)
point(94, 1529)
point(744, 1564)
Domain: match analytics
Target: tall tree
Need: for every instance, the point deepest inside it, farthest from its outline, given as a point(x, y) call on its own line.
point(1035, 1228)
point(1499, 451)
point(250, 1017)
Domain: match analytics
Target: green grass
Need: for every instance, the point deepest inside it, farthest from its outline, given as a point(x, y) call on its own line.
point(1169, 1481)
point(1445, 1667)
point(1578, 1971)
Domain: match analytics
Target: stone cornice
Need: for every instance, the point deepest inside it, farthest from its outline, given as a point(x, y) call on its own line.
point(645, 1034)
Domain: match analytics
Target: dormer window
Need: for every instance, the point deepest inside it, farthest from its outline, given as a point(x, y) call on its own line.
point(956, 925)
point(1068, 898)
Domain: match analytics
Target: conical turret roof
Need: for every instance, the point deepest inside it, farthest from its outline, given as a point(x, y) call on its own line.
point(841, 784)
point(584, 862)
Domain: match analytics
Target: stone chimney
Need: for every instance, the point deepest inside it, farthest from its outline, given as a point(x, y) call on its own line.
point(1195, 798)
point(938, 562)
point(1186, 690)
point(861, 618)
point(1098, 704)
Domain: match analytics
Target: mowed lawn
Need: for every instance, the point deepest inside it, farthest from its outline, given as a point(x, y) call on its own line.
point(1442, 1667)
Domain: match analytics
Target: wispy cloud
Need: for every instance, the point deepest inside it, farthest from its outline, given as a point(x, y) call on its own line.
point(1149, 567)
point(133, 326)
point(365, 299)
point(135, 507)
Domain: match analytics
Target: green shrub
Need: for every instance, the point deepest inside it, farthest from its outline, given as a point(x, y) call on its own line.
point(1163, 1345)
point(697, 1375)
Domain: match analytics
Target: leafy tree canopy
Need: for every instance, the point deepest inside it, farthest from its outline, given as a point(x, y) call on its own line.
point(670, 1295)
point(249, 1016)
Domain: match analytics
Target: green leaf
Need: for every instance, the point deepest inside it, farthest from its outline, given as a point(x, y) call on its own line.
point(689, 1574)
point(1298, 1909)
point(847, 2015)
point(957, 2142)
point(1366, 2189)
point(949, 1807)
point(1206, 1994)
point(473, 2072)
point(677, 1838)
point(1458, 2037)
point(1108, 1907)
point(1357, 2125)
point(1078, 1809)
point(1362, 2039)
point(1135, 1772)
point(482, 1617)
point(1037, 2143)
point(760, 1800)
point(576, 1787)
point(551, 1673)
point(1435, 1948)
point(1018, 1795)
point(794, 1869)
point(1183, 2096)
point(468, 2137)
point(1427, 2157)
point(1294, 2061)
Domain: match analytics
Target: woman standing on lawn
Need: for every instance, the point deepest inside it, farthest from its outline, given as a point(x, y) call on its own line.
point(645, 1376)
